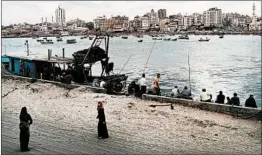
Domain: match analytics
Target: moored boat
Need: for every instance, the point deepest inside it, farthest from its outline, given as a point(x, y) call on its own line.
point(155, 38)
point(221, 36)
point(207, 39)
point(47, 41)
point(140, 40)
point(175, 39)
point(183, 37)
point(124, 37)
point(91, 38)
point(71, 41)
point(167, 39)
point(59, 39)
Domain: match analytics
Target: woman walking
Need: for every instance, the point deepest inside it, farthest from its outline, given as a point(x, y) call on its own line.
point(25, 122)
point(102, 129)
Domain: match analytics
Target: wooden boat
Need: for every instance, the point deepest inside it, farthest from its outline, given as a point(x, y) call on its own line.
point(221, 36)
point(71, 41)
point(45, 38)
point(91, 38)
point(82, 38)
point(86, 36)
point(59, 39)
point(124, 37)
point(155, 38)
point(47, 41)
point(174, 39)
point(207, 39)
point(39, 40)
point(140, 40)
point(167, 39)
point(183, 37)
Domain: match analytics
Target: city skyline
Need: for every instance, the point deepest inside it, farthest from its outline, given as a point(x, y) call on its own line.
point(90, 10)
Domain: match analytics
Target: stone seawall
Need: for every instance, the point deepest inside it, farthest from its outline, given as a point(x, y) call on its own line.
point(236, 111)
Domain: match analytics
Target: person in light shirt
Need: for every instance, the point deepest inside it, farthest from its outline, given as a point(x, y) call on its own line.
point(142, 84)
point(175, 92)
point(204, 96)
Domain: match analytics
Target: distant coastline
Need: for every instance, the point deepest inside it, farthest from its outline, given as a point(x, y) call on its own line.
point(144, 33)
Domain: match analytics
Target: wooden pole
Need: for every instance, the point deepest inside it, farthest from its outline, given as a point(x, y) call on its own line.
point(63, 50)
point(189, 73)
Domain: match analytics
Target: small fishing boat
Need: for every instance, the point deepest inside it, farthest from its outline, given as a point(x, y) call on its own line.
point(71, 41)
point(207, 39)
point(183, 37)
point(47, 41)
point(82, 38)
point(38, 40)
point(91, 38)
point(174, 39)
point(86, 36)
point(155, 38)
point(124, 37)
point(140, 40)
point(45, 38)
point(221, 36)
point(59, 39)
point(167, 39)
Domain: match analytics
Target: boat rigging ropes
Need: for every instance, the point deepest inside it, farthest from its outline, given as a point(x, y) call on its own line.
point(149, 56)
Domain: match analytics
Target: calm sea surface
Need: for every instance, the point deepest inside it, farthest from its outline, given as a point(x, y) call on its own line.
point(232, 64)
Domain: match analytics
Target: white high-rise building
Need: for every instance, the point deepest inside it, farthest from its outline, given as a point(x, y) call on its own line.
point(60, 16)
point(212, 17)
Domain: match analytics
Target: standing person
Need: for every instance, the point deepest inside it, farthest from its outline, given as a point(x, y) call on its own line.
point(204, 96)
point(156, 85)
point(220, 98)
point(142, 84)
point(175, 92)
point(25, 122)
point(235, 100)
point(102, 128)
point(251, 102)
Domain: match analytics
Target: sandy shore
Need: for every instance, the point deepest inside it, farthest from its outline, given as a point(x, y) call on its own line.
point(65, 123)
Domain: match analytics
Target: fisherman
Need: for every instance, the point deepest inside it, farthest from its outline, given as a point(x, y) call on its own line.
point(156, 85)
point(186, 94)
point(251, 102)
point(204, 96)
point(175, 92)
point(235, 100)
point(220, 98)
point(142, 84)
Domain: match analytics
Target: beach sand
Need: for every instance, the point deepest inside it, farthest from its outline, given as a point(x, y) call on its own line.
point(64, 122)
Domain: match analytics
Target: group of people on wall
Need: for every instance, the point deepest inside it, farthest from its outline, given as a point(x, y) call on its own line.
point(140, 87)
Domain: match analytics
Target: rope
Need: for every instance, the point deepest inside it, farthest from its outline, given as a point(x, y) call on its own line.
point(125, 63)
point(149, 56)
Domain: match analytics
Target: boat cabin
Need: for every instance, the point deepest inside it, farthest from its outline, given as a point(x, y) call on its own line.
point(37, 66)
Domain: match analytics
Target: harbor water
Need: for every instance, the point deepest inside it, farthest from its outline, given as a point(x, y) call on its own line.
point(231, 64)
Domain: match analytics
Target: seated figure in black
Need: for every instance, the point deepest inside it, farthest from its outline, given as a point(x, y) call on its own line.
point(220, 98)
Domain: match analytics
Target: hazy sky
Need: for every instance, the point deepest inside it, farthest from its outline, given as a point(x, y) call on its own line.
point(32, 11)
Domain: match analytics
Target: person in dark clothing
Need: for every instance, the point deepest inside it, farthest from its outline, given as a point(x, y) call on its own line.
point(250, 102)
point(235, 100)
point(228, 100)
point(220, 98)
point(25, 122)
point(102, 128)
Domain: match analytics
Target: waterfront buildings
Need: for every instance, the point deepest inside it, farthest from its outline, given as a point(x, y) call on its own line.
point(162, 14)
point(187, 21)
point(60, 16)
point(212, 17)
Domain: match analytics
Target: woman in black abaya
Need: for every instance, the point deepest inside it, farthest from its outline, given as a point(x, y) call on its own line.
point(102, 129)
point(25, 122)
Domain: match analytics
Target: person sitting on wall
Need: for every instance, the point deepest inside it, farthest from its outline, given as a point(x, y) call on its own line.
point(251, 102)
point(235, 100)
point(204, 96)
point(186, 94)
point(228, 100)
point(175, 92)
point(220, 98)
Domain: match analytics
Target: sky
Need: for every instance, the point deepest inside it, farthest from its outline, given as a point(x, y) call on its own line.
point(14, 12)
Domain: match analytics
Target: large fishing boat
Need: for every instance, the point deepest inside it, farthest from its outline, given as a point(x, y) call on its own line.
point(67, 70)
